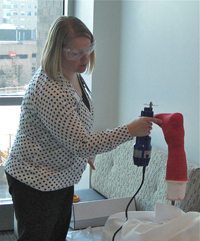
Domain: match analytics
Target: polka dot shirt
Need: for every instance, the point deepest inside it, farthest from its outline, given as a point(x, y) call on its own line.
point(54, 138)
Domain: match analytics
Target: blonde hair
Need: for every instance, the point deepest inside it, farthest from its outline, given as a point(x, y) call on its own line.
point(63, 30)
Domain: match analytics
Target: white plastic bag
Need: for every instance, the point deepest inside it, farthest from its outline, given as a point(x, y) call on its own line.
point(88, 234)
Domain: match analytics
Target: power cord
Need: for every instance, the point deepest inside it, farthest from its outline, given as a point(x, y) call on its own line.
point(126, 211)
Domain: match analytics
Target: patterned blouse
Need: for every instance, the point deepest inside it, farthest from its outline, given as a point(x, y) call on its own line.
point(54, 139)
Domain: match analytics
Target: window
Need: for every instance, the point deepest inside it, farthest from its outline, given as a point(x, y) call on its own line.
point(6, 6)
point(19, 59)
point(7, 128)
point(33, 70)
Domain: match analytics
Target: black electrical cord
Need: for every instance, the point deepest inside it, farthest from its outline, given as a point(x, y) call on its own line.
point(126, 212)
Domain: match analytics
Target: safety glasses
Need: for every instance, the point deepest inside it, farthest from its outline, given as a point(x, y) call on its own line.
point(72, 54)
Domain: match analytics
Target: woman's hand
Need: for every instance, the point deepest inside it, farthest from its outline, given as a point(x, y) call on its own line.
point(142, 126)
point(90, 162)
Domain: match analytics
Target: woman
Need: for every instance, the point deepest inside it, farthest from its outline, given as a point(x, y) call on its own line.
point(54, 140)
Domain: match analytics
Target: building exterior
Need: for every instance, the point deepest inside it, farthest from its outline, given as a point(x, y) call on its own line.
point(22, 14)
point(18, 24)
point(24, 25)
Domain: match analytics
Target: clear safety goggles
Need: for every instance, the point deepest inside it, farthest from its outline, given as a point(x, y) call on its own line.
point(72, 54)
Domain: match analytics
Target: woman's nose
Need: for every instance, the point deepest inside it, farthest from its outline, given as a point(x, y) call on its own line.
point(85, 57)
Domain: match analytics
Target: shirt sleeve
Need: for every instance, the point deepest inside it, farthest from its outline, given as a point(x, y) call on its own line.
point(57, 109)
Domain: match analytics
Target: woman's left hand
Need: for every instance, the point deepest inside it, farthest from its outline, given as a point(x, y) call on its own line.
point(90, 162)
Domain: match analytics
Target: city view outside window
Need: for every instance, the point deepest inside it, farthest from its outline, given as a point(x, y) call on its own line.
point(24, 25)
point(18, 48)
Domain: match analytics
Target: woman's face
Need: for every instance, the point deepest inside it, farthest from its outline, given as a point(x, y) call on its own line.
point(76, 58)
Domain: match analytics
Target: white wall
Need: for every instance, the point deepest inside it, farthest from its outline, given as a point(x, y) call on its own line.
point(84, 11)
point(106, 77)
point(148, 51)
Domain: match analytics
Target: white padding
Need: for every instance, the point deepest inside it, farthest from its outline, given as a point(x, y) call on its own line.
point(176, 190)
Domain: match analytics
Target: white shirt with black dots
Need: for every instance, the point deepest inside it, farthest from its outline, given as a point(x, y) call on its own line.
point(55, 139)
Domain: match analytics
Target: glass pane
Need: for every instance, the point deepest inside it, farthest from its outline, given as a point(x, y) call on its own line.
point(18, 46)
point(8, 127)
point(24, 25)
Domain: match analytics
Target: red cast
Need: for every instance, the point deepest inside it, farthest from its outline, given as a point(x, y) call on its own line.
point(173, 130)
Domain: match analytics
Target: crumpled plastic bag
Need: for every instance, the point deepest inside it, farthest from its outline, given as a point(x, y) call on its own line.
point(88, 234)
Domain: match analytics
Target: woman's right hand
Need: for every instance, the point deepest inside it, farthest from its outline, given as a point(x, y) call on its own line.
point(142, 126)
